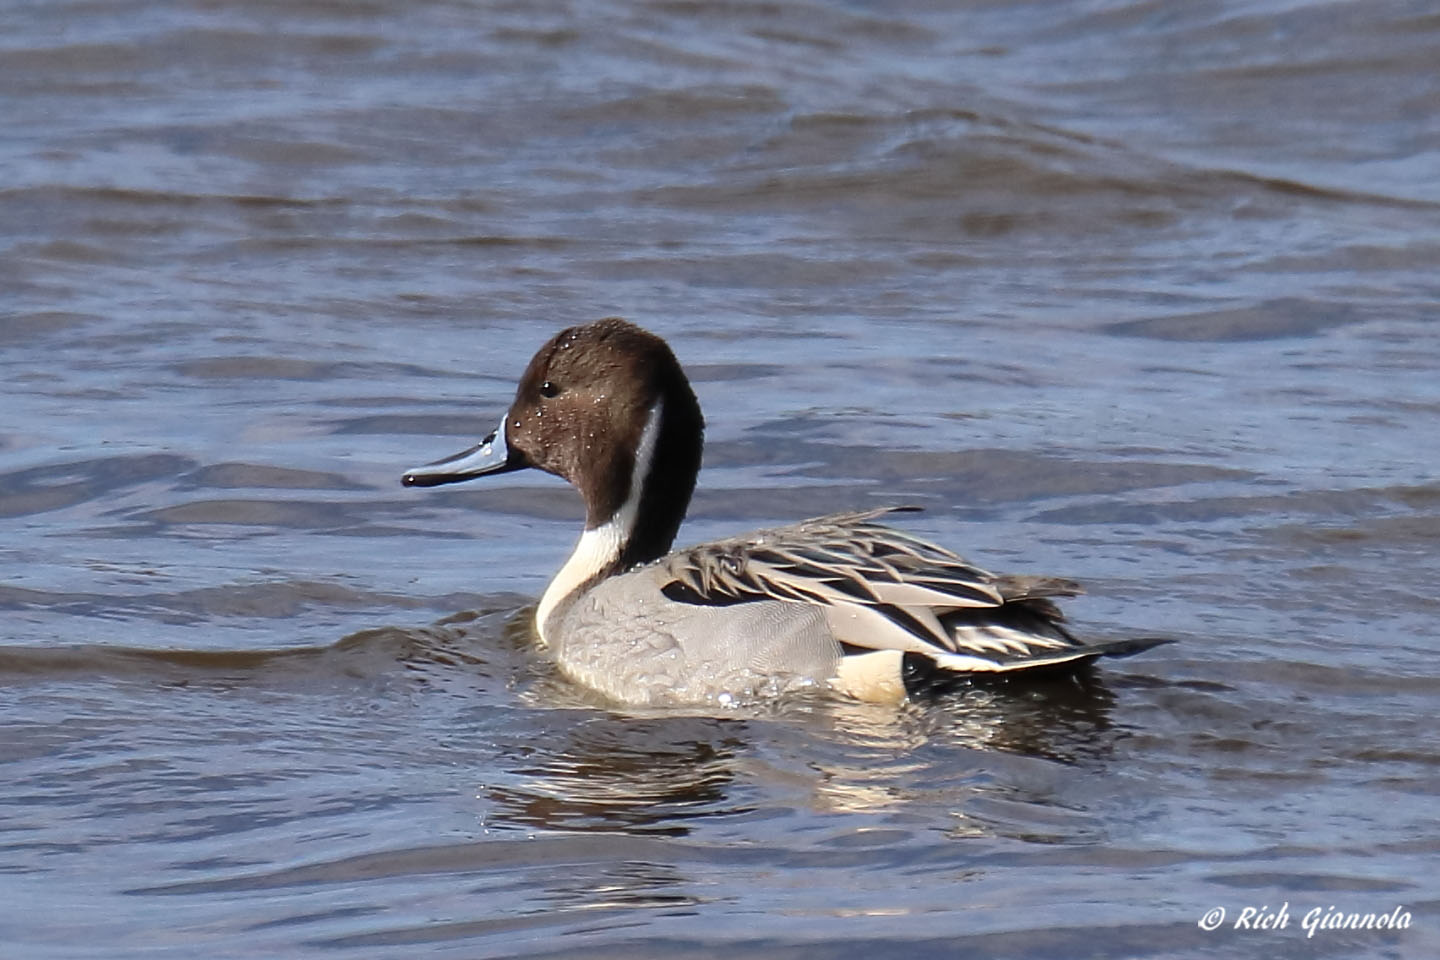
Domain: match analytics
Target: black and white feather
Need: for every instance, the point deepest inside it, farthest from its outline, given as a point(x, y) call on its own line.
point(885, 589)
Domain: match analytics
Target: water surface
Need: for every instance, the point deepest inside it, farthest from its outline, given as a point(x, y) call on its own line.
point(1139, 294)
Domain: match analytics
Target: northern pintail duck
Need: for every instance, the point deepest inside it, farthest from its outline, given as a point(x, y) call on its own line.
point(841, 600)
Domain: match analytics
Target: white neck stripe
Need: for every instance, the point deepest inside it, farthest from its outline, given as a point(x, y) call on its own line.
point(601, 546)
point(629, 511)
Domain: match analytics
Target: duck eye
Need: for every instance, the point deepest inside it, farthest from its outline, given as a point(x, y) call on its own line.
point(549, 389)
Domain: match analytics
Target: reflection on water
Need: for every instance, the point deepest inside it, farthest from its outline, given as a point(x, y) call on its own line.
point(653, 772)
point(668, 798)
point(613, 772)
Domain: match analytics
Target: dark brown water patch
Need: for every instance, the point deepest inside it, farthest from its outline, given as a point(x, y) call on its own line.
point(731, 372)
point(278, 599)
point(683, 107)
point(93, 197)
point(256, 368)
point(974, 476)
point(24, 328)
point(1268, 320)
point(1320, 503)
point(371, 653)
point(502, 241)
point(438, 424)
point(57, 486)
point(291, 514)
point(258, 475)
point(807, 21)
point(73, 252)
point(1418, 530)
point(1309, 882)
point(460, 858)
point(739, 271)
point(990, 176)
point(272, 367)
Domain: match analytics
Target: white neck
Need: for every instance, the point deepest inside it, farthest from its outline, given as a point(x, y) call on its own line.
point(600, 547)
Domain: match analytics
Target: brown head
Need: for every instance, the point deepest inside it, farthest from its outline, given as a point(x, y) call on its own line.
point(607, 407)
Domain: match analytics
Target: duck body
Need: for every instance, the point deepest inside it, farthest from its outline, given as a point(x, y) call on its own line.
point(842, 601)
point(626, 639)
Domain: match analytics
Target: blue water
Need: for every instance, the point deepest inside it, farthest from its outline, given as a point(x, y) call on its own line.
point(1137, 294)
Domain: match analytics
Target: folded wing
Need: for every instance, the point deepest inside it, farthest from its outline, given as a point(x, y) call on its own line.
point(883, 589)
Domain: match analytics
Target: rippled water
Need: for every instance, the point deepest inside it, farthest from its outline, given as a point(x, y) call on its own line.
point(1138, 293)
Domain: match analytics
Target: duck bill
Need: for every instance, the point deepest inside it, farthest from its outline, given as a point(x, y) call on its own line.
point(489, 456)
